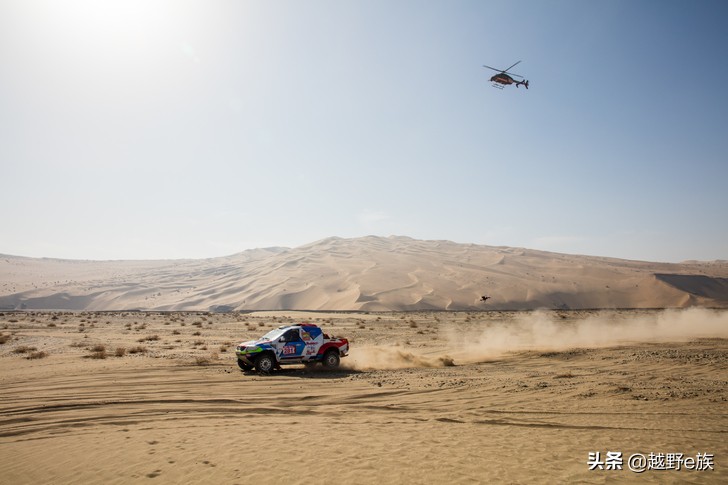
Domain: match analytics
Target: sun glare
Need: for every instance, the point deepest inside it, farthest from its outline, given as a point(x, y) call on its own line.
point(134, 22)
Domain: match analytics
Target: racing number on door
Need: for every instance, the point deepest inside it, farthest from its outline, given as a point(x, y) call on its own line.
point(289, 349)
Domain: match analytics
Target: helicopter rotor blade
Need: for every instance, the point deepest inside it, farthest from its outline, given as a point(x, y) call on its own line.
point(514, 65)
point(493, 68)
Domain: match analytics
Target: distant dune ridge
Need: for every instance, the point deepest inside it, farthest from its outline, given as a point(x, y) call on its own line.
point(369, 274)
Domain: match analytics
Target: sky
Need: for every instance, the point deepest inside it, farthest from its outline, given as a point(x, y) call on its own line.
point(146, 129)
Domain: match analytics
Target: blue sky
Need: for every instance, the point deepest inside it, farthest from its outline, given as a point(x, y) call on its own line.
point(149, 129)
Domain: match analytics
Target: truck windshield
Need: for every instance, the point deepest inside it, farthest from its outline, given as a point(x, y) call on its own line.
point(273, 334)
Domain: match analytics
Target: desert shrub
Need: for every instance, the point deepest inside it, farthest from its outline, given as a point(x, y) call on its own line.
point(120, 352)
point(197, 334)
point(98, 351)
point(175, 332)
point(202, 361)
point(149, 338)
point(24, 349)
point(137, 350)
point(37, 355)
point(4, 338)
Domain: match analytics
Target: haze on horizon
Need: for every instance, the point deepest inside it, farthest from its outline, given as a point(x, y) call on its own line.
point(189, 129)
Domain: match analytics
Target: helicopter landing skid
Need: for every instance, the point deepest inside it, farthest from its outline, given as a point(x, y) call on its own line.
point(497, 86)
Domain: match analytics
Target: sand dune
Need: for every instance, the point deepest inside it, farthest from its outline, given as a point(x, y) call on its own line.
point(367, 274)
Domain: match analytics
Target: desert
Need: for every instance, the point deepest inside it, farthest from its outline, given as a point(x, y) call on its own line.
point(464, 397)
point(363, 242)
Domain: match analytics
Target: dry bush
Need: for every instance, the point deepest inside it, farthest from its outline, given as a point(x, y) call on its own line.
point(175, 332)
point(223, 348)
point(24, 349)
point(202, 361)
point(120, 352)
point(197, 334)
point(199, 342)
point(149, 338)
point(4, 338)
point(138, 350)
point(37, 355)
point(98, 352)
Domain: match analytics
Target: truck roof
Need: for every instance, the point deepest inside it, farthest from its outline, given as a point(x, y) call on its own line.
point(301, 325)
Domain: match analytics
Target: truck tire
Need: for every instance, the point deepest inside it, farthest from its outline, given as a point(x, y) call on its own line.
point(265, 363)
point(331, 359)
point(244, 366)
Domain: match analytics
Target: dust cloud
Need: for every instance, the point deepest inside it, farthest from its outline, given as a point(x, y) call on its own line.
point(382, 357)
point(544, 331)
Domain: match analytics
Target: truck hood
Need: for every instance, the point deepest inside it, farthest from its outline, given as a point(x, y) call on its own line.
point(253, 343)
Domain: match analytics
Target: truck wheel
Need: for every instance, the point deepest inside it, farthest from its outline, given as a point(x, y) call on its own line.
point(244, 366)
point(264, 363)
point(331, 359)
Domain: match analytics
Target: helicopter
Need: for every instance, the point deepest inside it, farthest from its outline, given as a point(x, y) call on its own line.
point(502, 79)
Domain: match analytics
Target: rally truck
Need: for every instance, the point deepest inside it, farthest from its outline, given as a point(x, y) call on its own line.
point(302, 343)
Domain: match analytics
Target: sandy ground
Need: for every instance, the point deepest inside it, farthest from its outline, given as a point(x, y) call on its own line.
point(529, 396)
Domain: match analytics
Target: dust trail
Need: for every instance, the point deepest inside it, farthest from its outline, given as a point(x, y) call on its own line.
point(381, 357)
point(541, 331)
point(545, 331)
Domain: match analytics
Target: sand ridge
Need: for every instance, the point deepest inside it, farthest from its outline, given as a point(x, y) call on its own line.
point(363, 274)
